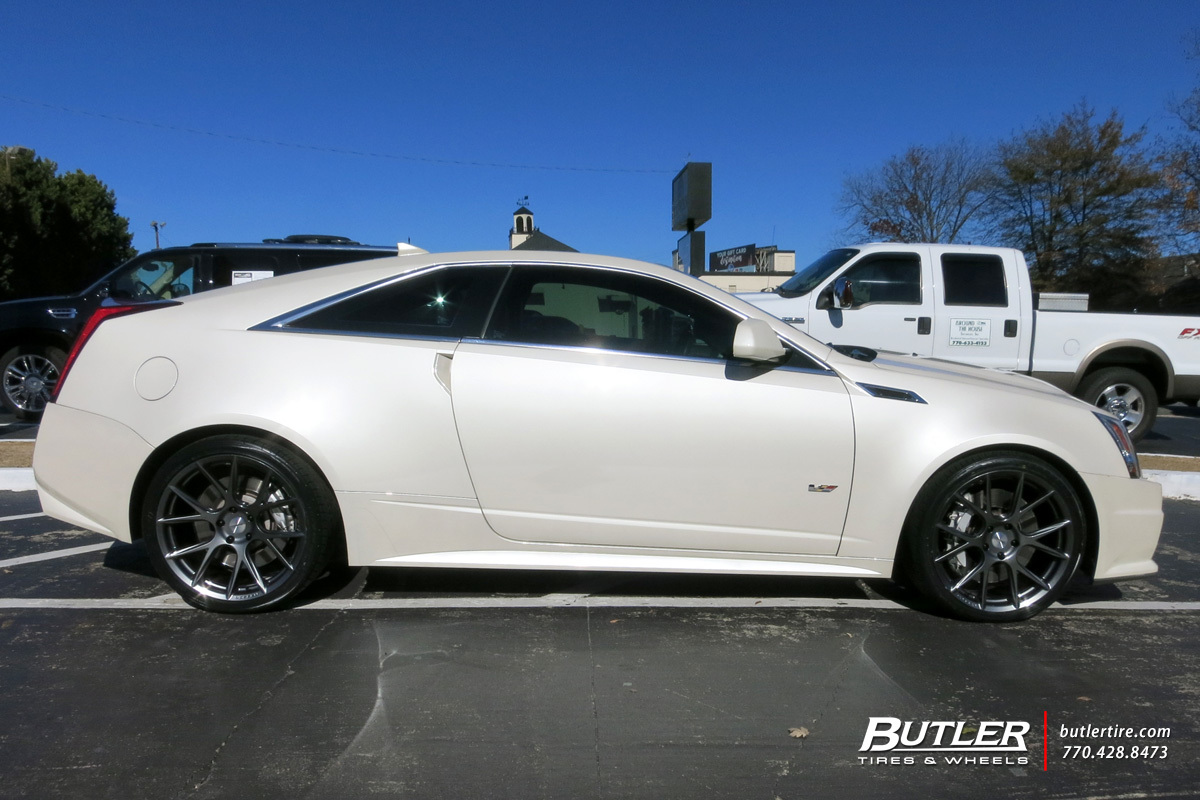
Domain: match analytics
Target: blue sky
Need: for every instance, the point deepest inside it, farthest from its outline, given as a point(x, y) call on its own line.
point(607, 100)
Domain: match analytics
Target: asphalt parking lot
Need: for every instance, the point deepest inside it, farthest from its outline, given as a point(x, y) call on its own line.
point(1175, 432)
point(433, 684)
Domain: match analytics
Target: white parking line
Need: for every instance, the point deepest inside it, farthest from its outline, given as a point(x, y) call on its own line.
point(21, 516)
point(173, 602)
point(70, 551)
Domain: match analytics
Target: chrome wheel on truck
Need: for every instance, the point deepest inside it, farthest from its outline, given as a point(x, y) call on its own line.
point(29, 377)
point(1125, 394)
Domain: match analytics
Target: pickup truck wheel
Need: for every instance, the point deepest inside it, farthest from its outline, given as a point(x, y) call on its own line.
point(1125, 394)
point(28, 375)
point(995, 537)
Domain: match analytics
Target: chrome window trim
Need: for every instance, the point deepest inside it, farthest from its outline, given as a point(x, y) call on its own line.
point(280, 323)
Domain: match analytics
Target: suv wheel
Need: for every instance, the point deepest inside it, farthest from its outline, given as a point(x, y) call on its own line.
point(29, 376)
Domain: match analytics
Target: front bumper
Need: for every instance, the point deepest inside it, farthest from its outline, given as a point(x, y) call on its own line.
point(1130, 519)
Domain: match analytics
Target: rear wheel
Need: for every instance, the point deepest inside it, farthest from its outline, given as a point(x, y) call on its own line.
point(995, 537)
point(29, 375)
point(236, 524)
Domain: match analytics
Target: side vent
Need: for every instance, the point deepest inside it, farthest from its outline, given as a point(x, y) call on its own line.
point(891, 393)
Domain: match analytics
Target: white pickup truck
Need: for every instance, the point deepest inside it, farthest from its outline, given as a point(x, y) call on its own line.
point(976, 305)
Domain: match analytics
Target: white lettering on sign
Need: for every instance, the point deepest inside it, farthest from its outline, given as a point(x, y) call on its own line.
point(970, 332)
point(246, 276)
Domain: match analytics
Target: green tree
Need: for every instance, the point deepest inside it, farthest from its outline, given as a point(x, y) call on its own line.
point(928, 194)
point(57, 232)
point(1080, 197)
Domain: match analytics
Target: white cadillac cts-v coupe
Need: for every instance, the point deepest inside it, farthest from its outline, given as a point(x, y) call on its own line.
point(560, 411)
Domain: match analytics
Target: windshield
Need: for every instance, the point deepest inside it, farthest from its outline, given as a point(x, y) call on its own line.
point(807, 279)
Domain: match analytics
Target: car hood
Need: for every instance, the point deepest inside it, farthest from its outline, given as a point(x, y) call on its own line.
point(917, 374)
point(767, 301)
point(32, 302)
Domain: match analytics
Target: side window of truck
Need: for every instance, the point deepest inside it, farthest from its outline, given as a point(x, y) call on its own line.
point(893, 278)
point(973, 280)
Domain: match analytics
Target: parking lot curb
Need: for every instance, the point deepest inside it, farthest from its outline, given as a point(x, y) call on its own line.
point(1176, 485)
point(14, 479)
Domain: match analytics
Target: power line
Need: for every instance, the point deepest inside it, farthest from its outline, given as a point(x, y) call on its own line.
point(321, 149)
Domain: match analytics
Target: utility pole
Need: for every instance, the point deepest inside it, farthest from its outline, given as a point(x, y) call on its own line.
point(156, 226)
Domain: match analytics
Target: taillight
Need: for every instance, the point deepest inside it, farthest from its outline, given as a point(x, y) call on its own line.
point(100, 315)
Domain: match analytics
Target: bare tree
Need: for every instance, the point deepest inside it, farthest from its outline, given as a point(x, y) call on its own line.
point(927, 194)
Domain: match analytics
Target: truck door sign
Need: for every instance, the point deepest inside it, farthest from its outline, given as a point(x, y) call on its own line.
point(970, 332)
point(1190, 333)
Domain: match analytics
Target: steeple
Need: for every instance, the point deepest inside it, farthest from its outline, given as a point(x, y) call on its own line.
point(522, 227)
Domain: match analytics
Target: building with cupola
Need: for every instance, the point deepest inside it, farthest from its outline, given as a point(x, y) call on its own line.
point(524, 235)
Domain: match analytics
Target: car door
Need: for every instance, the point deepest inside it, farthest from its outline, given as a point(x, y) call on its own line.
point(892, 307)
point(602, 408)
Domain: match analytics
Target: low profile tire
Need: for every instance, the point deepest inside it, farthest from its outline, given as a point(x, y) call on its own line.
point(995, 537)
point(28, 376)
point(1125, 394)
point(236, 524)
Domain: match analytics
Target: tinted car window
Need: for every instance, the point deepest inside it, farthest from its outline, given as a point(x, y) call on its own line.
point(156, 276)
point(611, 310)
point(974, 280)
point(447, 302)
point(890, 278)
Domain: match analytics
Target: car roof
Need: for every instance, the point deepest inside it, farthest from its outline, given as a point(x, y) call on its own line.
point(249, 304)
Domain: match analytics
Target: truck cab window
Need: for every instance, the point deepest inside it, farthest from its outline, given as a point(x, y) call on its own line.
point(893, 278)
point(974, 280)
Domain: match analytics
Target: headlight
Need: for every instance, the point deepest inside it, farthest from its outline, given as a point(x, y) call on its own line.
point(1116, 429)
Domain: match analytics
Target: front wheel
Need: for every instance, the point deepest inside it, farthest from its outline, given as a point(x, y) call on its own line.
point(1125, 394)
point(236, 524)
point(995, 537)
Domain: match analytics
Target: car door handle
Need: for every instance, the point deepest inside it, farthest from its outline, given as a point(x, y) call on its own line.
point(441, 369)
point(1010, 328)
point(924, 325)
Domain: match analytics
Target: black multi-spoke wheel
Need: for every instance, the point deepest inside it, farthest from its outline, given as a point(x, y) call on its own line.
point(235, 524)
point(996, 537)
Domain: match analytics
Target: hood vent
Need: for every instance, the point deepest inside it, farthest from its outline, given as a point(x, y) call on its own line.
point(891, 393)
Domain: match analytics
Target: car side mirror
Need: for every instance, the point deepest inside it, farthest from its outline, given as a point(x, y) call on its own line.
point(843, 293)
point(756, 340)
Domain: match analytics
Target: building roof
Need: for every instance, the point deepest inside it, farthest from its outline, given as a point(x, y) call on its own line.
point(522, 210)
point(540, 241)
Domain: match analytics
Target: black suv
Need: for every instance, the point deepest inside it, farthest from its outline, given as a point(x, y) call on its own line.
point(36, 334)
